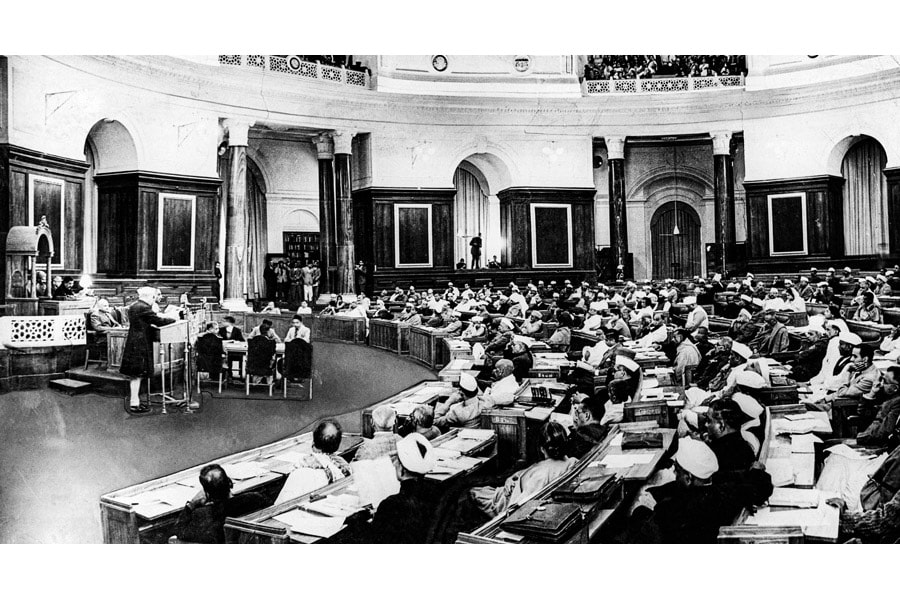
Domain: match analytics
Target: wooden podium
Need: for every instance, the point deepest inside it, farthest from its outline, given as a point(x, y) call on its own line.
point(166, 336)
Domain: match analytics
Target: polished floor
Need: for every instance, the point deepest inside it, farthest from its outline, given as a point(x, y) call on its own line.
point(59, 454)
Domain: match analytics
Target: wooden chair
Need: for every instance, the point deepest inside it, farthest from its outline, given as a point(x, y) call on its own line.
point(96, 345)
point(297, 364)
point(206, 368)
point(259, 362)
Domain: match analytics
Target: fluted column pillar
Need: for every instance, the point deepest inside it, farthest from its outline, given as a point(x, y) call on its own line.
point(236, 221)
point(723, 184)
point(618, 218)
point(346, 256)
point(327, 236)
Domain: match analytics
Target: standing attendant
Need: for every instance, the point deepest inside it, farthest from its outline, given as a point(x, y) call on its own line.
point(137, 359)
point(475, 244)
point(217, 285)
point(271, 279)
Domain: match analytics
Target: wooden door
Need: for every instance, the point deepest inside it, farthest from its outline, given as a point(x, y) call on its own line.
point(675, 256)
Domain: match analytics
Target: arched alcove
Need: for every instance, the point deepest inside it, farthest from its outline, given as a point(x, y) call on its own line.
point(111, 147)
point(675, 240)
point(470, 210)
point(865, 197)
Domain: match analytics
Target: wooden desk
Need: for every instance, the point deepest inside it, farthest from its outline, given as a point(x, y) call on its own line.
point(340, 328)
point(154, 522)
point(115, 348)
point(427, 392)
point(457, 349)
point(426, 346)
point(65, 307)
point(389, 335)
point(595, 515)
point(264, 527)
point(457, 367)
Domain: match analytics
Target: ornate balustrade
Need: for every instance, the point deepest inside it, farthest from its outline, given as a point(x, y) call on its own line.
point(42, 332)
point(298, 68)
point(661, 85)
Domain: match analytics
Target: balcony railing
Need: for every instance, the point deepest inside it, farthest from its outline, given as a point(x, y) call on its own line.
point(298, 68)
point(662, 85)
point(42, 332)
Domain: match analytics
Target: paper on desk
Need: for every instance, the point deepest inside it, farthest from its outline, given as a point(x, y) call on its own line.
point(302, 481)
point(404, 408)
point(282, 467)
point(785, 426)
point(302, 522)
point(175, 495)
point(781, 470)
point(563, 419)
point(459, 463)
point(193, 483)
point(649, 383)
point(798, 416)
point(819, 522)
point(847, 452)
point(804, 443)
point(341, 505)
point(375, 480)
point(617, 439)
point(445, 453)
point(244, 470)
point(624, 461)
point(539, 413)
point(461, 445)
point(476, 434)
point(291, 456)
point(782, 496)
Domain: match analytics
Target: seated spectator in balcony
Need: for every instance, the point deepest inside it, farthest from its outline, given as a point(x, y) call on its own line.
point(66, 290)
point(461, 264)
point(304, 308)
point(103, 318)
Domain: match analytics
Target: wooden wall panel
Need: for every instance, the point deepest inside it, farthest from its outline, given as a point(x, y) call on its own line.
point(18, 200)
point(206, 245)
point(583, 244)
point(443, 234)
point(147, 217)
point(384, 235)
point(74, 250)
point(893, 184)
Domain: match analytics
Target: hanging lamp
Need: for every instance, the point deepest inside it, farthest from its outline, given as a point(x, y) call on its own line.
point(675, 231)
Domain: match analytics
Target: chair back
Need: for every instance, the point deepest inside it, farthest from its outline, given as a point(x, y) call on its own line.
point(209, 354)
point(260, 351)
point(298, 355)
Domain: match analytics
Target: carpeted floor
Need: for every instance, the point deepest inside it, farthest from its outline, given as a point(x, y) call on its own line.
point(59, 454)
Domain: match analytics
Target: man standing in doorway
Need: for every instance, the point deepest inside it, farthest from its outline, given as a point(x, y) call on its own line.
point(307, 276)
point(475, 243)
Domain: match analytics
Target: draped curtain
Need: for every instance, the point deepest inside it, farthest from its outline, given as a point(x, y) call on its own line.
point(469, 212)
point(675, 256)
point(865, 199)
point(257, 240)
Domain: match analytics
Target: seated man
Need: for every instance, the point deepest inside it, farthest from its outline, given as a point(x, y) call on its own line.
point(384, 441)
point(861, 381)
point(297, 330)
point(228, 331)
point(261, 353)
point(723, 428)
point(407, 516)
point(423, 420)
point(878, 521)
point(103, 318)
point(587, 413)
point(594, 320)
point(410, 316)
point(210, 352)
point(658, 332)
point(476, 331)
point(624, 379)
point(521, 358)
point(534, 326)
point(203, 519)
point(452, 325)
point(304, 308)
point(502, 390)
point(562, 337)
point(697, 317)
point(269, 332)
point(326, 442)
point(868, 310)
point(463, 408)
point(713, 362)
point(501, 339)
point(692, 508)
point(687, 357)
point(773, 339)
point(593, 355)
point(553, 444)
point(886, 396)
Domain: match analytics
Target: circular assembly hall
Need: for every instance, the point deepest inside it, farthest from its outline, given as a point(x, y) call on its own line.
point(449, 299)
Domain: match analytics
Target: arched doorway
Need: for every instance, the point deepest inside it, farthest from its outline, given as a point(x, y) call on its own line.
point(675, 255)
point(470, 210)
point(865, 199)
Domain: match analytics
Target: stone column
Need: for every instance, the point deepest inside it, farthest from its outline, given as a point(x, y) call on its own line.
point(723, 184)
point(236, 221)
point(618, 217)
point(346, 256)
point(327, 237)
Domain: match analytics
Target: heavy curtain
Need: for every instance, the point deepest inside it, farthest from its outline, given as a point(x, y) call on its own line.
point(469, 213)
point(865, 199)
point(257, 240)
point(675, 256)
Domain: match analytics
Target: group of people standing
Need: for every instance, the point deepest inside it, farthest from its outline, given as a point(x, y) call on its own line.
point(292, 283)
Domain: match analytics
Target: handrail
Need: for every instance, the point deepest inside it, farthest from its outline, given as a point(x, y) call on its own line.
point(660, 85)
point(304, 69)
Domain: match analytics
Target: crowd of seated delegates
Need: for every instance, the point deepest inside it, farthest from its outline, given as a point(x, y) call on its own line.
point(634, 66)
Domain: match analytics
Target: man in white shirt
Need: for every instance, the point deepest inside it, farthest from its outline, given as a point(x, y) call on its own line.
point(658, 334)
point(502, 391)
point(297, 330)
point(595, 320)
point(697, 317)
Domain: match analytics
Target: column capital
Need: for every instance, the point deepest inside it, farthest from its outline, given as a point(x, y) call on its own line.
point(721, 142)
point(615, 147)
point(343, 141)
point(238, 131)
point(324, 146)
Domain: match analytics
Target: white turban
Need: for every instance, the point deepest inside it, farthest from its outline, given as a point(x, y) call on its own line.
point(467, 382)
point(624, 361)
point(848, 337)
point(750, 379)
point(416, 453)
point(749, 406)
point(696, 458)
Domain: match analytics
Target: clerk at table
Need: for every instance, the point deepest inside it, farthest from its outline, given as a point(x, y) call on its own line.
point(229, 331)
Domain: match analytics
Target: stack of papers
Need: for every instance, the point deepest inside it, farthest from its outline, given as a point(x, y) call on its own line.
point(781, 470)
point(624, 461)
point(476, 434)
point(305, 523)
point(341, 505)
point(460, 445)
point(245, 470)
point(804, 443)
point(794, 497)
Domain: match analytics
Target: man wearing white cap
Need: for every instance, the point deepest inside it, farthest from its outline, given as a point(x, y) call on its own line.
point(137, 358)
point(533, 326)
point(658, 334)
point(500, 341)
point(407, 516)
point(593, 355)
point(463, 408)
point(836, 374)
point(713, 363)
point(692, 508)
point(697, 317)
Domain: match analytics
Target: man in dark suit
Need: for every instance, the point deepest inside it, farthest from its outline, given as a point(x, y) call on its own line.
point(137, 358)
point(210, 351)
point(229, 331)
point(203, 519)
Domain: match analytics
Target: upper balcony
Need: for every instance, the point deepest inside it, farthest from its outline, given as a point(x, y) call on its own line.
point(295, 65)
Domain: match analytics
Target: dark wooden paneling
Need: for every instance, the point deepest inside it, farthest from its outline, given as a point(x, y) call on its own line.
point(384, 234)
point(206, 245)
point(177, 223)
point(412, 236)
point(18, 201)
point(146, 233)
point(552, 245)
point(116, 216)
point(893, 183)
point(442, 230)
point(583, 224)
point(74, 250)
